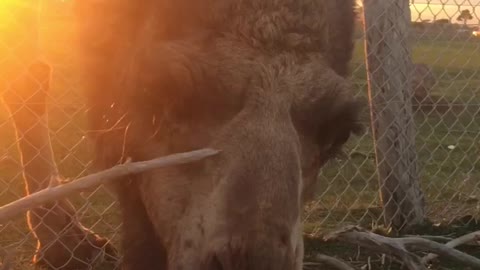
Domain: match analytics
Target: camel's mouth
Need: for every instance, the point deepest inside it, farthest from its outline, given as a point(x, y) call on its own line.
point(267, 256)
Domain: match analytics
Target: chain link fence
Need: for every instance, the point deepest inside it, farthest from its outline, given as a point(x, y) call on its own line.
point(446, 110)
point(446, 106)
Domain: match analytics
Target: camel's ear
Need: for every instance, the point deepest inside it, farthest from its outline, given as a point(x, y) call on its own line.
point(329, 113)
point(343, 122)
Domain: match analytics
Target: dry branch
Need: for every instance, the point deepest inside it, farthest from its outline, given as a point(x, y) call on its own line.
point(53, 193)
point(471, 237)
point(436, 238)
point(399, 247)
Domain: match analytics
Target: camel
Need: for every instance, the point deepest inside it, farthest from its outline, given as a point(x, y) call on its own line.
point(263, 81)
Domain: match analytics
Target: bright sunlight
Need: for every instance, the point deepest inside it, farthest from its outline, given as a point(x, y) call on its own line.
point(33, 28)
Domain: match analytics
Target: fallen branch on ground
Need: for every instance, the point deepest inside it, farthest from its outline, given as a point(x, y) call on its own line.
point(436, 238)
point(398, 247)
point(36, 199)
point(471, 237)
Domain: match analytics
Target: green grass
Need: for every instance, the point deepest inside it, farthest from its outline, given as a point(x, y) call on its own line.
point(348, 187)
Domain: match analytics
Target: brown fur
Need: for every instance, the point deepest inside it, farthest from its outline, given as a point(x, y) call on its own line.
point(62, 241)
point(261, 80)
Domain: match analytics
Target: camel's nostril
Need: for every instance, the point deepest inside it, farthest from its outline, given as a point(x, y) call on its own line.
point(284, 239)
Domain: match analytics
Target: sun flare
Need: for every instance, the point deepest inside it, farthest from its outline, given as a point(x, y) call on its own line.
point(19, 34)
point(16, 15)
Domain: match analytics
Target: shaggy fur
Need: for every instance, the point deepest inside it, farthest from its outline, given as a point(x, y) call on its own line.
point(261, 80)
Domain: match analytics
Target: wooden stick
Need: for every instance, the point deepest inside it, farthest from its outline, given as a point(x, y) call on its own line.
point(436, 238)
point(398, 247)
point(454, 243)
point(420, 244)
point(36, 199)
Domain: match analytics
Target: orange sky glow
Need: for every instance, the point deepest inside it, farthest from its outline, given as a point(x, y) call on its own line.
point(443, 9)
point(437, 11)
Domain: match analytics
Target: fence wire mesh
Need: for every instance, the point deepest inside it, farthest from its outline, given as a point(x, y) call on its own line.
point(445, 45)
